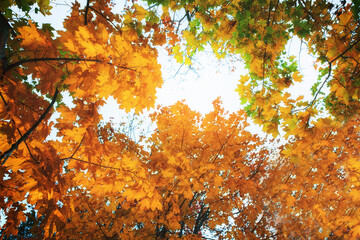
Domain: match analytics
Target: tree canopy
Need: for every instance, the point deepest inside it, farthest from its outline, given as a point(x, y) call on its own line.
point(195, 176)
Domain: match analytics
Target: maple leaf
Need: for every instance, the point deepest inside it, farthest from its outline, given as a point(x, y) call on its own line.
point(198, 172)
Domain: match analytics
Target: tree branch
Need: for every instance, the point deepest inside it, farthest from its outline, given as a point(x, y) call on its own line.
point(257, 169)
point(98, 165)
point(342, 54)
point(5, 31)
point(94, 213)
point(322, 85)
point(302, 3)
point(8, 153)
point(28, 148)
point(201, 219)
point(78, 146)
point(12, 120)
point(86, 11)
point(221, 147)
point(107, 19)
point(330, 68)
point(11, 66)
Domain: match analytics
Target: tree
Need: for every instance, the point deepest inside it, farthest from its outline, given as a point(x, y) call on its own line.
point(195, 169)
point(258, 31)
point(31, 229)
point(103, 56)
point(195, 174)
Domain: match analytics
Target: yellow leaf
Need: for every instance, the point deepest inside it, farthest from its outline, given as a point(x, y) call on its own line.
point(217, 180)
point(342, 94)
point(155, 205)
point(345, 17)
point(290, 200)
point(140, 12)
point(34, 196)
point(145, 203)
point(32, 38)
point(297, 77)
point(355, 231)
point(355, 194)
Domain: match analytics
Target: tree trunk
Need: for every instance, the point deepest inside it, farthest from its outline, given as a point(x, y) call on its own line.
point(4, 34)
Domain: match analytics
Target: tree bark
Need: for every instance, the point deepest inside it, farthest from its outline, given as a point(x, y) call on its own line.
point(4, 34)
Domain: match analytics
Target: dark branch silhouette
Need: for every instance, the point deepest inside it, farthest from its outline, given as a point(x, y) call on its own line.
point(107, 19)
point(343, 53)
point(86, 11)
point(8, 153)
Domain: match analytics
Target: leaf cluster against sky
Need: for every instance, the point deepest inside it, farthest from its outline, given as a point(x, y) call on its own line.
point(196, 175)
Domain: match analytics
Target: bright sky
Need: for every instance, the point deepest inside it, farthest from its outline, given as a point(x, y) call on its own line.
point(207, 79)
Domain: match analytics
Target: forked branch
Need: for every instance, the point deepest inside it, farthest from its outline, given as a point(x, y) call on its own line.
point(8, 153)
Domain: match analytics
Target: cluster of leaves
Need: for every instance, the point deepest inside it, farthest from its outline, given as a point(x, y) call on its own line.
point(258, 31)
point(195, 174)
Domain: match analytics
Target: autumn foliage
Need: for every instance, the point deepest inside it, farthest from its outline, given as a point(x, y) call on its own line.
point(195, 176)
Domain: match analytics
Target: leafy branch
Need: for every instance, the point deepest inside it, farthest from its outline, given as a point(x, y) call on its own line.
point(14, 147)
point(330, 69)
point(13, 65)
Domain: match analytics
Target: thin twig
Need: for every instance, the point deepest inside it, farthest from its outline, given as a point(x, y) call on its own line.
point(8, 153)
point(94, 213)
point(97, 164)
point(12, 120)
point(322, 85)
point(107, 19)
point(222, 147)
point(78, 146)
point(28, 148)
point(11, 66)
point(32, 109)
point(257, 169)
point(302, 3)
point(342, 54)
